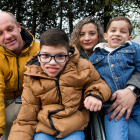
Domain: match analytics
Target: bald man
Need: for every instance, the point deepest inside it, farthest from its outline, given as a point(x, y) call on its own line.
point(17, 45)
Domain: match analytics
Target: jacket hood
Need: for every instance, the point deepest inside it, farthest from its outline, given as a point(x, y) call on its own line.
point(34, 69)
point(27, 37)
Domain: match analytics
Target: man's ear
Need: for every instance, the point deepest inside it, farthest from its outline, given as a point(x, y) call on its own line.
point(130, 38)
point(105, 36)
point(19, 27)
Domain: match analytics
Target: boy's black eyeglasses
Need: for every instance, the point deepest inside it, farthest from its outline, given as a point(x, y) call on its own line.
point(46, 58)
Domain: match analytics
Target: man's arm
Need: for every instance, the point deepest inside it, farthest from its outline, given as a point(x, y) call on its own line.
point(125, 99)
point(134, 80)
point(2, 114)
point(2, 106)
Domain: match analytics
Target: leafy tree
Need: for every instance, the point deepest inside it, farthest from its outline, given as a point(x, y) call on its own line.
point(39, 15)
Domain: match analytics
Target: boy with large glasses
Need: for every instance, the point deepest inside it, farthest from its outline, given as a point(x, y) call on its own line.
point(55, 85)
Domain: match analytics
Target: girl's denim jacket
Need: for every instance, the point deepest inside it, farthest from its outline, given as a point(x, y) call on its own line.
point(116, 67)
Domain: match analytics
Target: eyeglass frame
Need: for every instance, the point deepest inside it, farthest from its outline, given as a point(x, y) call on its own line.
point(52, 56)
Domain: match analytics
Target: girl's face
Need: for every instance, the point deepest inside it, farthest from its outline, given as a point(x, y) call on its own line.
point(88, 38)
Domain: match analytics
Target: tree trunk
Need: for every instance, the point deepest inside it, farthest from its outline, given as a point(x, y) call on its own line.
point(61, 14)
point(34, 24)
point(34, 20)
point(14, 6)
point(18, 10)
point(106, 18)
point(70, 16)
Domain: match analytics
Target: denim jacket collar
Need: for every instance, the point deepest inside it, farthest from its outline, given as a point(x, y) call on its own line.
point(102, 45)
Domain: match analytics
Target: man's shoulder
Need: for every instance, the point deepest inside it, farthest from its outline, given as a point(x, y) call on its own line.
point(35, 47)
point(3, 62)
point(36, 43)
point(2, 55)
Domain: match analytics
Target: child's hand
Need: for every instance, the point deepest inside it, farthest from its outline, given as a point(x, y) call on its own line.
point(92, 103)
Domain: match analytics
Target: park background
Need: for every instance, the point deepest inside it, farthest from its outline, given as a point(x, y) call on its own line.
point(39, 15)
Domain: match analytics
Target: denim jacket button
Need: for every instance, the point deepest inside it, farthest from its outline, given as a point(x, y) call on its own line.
point(112, 65)
point(110, 56)
point(126, 50)
point(96, 60)
point(116, 78)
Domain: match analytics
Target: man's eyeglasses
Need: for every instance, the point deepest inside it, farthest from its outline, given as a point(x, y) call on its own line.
point(46, 58)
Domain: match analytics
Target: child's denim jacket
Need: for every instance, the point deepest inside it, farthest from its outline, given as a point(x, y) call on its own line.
point(116, 67)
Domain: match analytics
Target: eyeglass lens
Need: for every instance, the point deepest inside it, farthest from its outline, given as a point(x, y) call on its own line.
point(45, 58)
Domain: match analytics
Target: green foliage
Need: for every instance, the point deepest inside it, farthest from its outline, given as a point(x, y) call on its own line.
point(39, 15)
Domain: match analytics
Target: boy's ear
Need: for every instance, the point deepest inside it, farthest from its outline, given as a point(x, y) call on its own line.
point(105, 36)
point(70, 54)
point(38, 58)
point(130, 38)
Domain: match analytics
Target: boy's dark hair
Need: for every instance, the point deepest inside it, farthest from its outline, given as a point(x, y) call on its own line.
point(54, 37)
point(121, 18)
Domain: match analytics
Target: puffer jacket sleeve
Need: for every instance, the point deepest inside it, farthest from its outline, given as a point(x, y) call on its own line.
point(2, 106)
point(24, 126)
point(95, 86)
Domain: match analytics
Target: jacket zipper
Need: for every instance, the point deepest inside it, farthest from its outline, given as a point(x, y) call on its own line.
point(56, 111)
point(18, 64)
point(58, 91)
point(18, 76)
point(57, 83)
point(17, 71)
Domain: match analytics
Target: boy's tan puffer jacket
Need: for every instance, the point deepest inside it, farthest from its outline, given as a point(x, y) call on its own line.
point(55, 106)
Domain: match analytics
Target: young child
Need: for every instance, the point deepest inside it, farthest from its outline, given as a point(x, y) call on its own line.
point(55, 85)
point(115, 61)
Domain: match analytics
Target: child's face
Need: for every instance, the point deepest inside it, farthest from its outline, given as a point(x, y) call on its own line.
point(117, 34)
point(53, 68)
